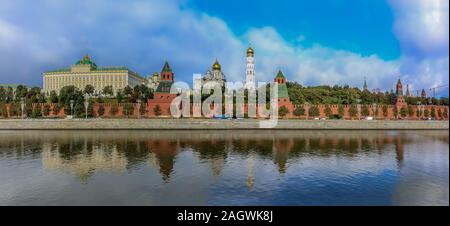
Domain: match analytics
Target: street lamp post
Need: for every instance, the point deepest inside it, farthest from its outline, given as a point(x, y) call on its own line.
point(307, 110)
point(139, 107)
point(375, 111)
point(86, 105)
point(359, 108)
point(71, 107)
point(22, 105)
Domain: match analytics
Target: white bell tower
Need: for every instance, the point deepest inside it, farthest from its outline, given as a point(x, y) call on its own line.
point(250, 82)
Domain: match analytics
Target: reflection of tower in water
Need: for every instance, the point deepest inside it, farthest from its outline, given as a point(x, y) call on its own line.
point(164, 153)
point(250, 171)
point(399, 151)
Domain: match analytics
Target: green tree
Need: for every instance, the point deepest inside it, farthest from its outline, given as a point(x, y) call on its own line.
point(283, 111)
point(426, 113)
point(46, 110)
point(128, 109)
point(299, 111)
point(365, 111)
point(108, 91)
point(385, 111)
point(403, 112)
point(3, 111)
point(36, 112)
point(53, 98)
point(410, 111)
point(2, 94)
point(314, 111)
point(445, 113)
point(89, 89)
point(433, 112)
point(143, 109)
point(418, 113)
point(340, 111)
point(395, 112)
point(101, 110)
point(439, 113)
point(15, 110)
point(57, 108)
point(114, 110)
point(328, 111)
point(9, 95)
point(157, 110)
point(353, 111)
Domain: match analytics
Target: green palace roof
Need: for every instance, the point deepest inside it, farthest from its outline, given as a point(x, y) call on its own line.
point(86, 61)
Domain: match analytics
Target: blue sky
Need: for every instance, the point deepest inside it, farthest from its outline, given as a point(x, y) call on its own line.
point(313, 42)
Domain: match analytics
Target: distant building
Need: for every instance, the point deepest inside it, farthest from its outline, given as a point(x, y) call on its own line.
point(423, 94)
point(85, 72)
point(408, 94)
point(153, 81)
point(162, 98)
point(215, 74)
point(283, 96)
point(400, 100)
point(365, 87)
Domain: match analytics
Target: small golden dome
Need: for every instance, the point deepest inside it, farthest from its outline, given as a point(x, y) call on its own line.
point(155, 74)
point(250, 51)
point(216, 66)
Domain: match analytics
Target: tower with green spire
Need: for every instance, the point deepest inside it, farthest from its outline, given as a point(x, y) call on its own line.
point(166, 79)
point(365, 88)
point(280, 79)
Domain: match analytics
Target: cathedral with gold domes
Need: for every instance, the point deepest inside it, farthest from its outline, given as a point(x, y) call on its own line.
point(215, 74)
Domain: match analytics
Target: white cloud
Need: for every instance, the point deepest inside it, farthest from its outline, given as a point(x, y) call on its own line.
point(422, 25)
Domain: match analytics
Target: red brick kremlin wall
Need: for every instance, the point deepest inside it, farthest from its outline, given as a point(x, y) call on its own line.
point(164, 104)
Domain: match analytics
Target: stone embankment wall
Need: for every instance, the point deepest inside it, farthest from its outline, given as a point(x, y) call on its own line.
point(219, 124)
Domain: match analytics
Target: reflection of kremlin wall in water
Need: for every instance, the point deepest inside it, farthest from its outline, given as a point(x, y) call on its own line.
point(83, 153)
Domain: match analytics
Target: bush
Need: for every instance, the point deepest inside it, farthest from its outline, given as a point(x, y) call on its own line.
point(328, 111)
point(426, 113)
point(385, 110)
point(128, 109)
point(283, 111)
point(46, 110)
point(114, 109)
point(3, 111)
point(433, 112)
point(365, 110)
point(143, 109)
point(353, 111)
point(314, 111)
point(101, 110)
point(299, 111)
point(36, 113)
point(341, 111)
point(445, 114)
point(403, 112)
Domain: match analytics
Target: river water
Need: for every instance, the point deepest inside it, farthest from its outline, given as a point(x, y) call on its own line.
point(224, 167)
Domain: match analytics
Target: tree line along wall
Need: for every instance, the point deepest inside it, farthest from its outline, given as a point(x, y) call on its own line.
point(162, 109)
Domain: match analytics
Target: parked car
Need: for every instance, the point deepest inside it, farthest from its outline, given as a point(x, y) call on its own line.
point(369, 118)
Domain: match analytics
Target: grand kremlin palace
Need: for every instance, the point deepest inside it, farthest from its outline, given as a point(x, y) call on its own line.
point(85, 72)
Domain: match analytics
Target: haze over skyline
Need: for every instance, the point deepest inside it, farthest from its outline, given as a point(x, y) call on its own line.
point(314, 42)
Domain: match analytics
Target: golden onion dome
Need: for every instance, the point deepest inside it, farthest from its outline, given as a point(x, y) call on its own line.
point(216, 66)
point(250, 51)
point(155, 74)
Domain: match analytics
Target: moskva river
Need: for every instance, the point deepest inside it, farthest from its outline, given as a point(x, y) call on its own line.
point(224, 167)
